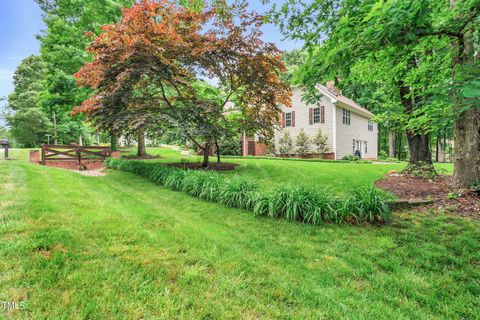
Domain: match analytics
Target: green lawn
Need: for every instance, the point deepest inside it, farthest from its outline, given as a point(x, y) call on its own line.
point(338, 177)
point(75, 247)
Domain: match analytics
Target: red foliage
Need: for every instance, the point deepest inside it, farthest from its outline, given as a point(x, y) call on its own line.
point(162, 43)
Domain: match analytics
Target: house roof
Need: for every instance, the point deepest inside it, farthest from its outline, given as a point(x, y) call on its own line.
point(344, 100)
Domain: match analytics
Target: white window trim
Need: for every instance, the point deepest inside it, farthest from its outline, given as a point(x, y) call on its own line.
point(346, 117)
point(286, 120)
point(319, 115)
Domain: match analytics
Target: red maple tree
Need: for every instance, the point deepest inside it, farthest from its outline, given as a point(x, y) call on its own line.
point(149, 66)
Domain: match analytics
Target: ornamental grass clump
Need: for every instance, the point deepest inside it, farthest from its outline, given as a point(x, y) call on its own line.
point(369, 204)
point(238, 192)
point(293, 202)
point(201, 184)
point(175, 179)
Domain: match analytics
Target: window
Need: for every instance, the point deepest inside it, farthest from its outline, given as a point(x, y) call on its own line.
point(366, 149)
point(353, 150)
point(370, 125)
point(288, 119)
point(316, 115)
point(346, 117)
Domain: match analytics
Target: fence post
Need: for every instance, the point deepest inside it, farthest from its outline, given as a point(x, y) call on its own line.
point(43, 154)
point(79, 155)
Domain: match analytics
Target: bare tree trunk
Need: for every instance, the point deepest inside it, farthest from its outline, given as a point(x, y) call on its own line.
point(419, 147)
point(467, 148)
point(440, 150)
point(206, 153)
point(391, 144)
point(467, 126)
point(218, 151)
point(141, 150)
point(418, 143)
point(80, 140)
point(113, 142)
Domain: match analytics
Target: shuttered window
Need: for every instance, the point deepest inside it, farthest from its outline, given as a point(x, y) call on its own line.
point(288, 119)
point(370, 125)
point(316, 115)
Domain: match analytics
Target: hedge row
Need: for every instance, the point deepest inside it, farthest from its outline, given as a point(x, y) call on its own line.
point(295, 202)
point(297, 159)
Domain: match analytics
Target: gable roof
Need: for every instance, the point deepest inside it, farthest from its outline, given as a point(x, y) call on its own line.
point(344, 100)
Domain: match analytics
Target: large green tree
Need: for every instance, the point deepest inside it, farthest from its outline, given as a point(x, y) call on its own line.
point(419, 53)
point(28, 121)
point(63, 47)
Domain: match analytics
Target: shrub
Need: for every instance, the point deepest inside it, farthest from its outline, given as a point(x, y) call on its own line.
point(303, 143)
point(320, 141)
point(350, 157)
point(285, 143)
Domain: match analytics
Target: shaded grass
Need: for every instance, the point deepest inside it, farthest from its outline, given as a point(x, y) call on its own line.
point(77, 247)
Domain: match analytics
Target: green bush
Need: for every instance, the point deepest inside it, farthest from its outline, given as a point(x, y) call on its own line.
point(350, 157)
point(295, 202)
point(369, 204)
point(237, 192)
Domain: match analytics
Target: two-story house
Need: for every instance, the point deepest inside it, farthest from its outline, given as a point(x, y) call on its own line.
point(348, 126)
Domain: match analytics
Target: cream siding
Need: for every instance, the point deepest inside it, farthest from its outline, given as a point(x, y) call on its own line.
point(358, 130)
point(301, 109)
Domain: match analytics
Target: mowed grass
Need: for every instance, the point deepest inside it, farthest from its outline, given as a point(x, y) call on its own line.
point(336, 177)
point(76, 247)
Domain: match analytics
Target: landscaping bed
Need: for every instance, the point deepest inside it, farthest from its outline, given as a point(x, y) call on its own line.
point(439, 191)
point(215, 166)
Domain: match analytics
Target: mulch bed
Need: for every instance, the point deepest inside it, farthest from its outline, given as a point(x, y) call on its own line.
point(214, 166)
point(405, 187)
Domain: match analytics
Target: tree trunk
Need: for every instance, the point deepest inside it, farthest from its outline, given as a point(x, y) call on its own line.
point(141, 150)
point(206, 153)
point(419, 148)
point(420, 155)
point(440, 150)
point(467, 149)
point(391, 144)
point(467, 125)
point(218, 151)
point(113, 142)
point(80, 140)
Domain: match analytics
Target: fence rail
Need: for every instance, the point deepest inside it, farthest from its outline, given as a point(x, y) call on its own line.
point(74, 153)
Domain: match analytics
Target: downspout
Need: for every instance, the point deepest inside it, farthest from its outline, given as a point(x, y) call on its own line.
point(244, 144)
